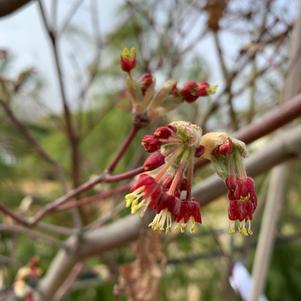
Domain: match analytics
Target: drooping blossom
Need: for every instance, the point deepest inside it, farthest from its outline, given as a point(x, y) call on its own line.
point(242, 203)
point(227, 154)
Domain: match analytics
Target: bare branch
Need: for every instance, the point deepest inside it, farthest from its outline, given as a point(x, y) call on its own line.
point(31, 233)
point(70, 130)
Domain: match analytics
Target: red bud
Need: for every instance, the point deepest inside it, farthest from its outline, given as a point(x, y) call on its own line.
point(163, 132)
point(154, 161)
point(199, 151)
point(151, 143)
point(189, 91)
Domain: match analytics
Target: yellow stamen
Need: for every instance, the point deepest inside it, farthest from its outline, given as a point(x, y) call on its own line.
point(242, 229)
point(249, 228)
point(133, 200)
point(231, 227)
point(162, 221)
point(245, 198)
point(192, 225)
point(212, 89)
point(128, 53)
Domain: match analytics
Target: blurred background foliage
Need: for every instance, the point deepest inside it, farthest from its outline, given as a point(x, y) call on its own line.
point(172, 39)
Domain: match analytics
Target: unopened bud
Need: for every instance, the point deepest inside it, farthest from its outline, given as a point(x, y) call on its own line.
point(154, 161)
point(211, 141)
point(163, 132)
point(146, 81)
point(224, 149)
point(189, 91)
point(184, 185)
point(199, 151)
point(128, 59)
point(204, 89)
point(167, 181)
point(151, 143)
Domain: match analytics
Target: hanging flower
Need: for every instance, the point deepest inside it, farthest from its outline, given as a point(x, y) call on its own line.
point(166, 185)
point(227, 154)
point(242, 203)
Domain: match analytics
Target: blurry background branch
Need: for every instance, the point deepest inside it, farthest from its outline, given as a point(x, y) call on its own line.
point(9, 6)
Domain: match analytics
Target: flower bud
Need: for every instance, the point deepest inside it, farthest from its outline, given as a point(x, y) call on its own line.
point(151, 143)
point(163, 132)
point(146, 81)
point(184, 185)
point(224, 149)
point(154, 161)
point(189, 91)
point(167, 181)
point(204, 89)
point(128, 59)
point(199, 151)
point(211, 141)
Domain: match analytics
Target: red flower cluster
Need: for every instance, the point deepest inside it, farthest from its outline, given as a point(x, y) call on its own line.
point(166, 186)
point(242, 203)
point(151, 103)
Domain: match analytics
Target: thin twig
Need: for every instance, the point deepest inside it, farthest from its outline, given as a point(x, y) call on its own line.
point(71, 133)
point(93, 65)
point(69, 16)
point(34, 143)
point(31, 233)
point(54, 11)
point(95, 198)
point(132, 134)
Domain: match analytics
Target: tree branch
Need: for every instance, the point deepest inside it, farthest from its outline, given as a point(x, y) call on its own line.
point(70, 130)
point(9, 6)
